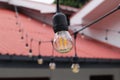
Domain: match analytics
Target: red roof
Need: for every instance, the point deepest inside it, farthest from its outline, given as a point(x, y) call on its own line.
point(11, 43)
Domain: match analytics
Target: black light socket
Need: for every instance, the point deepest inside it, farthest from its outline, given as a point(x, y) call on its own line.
point(75, 60)
point(60, 22)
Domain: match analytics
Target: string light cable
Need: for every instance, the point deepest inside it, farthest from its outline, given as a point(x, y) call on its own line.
point(52, 64)
point(75, 64)
point(40, 59)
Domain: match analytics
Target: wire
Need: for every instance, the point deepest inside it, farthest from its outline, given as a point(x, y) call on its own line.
point(57, 6)
point(52, 49)
point(39, 44)
point(31, 41)
point(97, 20)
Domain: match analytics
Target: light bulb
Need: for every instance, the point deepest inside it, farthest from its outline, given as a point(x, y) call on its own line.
point(40, 61)
point(30, 53)
point(26, 45)
point(52, 66)
point(22, 37)
point(75, 68)
point(62, 42)
point(82, 35)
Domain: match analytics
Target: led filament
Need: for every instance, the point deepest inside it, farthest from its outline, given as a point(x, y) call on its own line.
point(62, 42)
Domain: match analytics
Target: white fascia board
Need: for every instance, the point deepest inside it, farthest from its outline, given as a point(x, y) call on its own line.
point(77, 18)
point(43, 8)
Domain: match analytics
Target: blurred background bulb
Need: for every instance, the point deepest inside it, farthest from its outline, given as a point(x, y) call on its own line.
point(30, 53)
point(26, 45)
point(40, 61)
point(75, 68)
point(62, 42)
point(52, 66)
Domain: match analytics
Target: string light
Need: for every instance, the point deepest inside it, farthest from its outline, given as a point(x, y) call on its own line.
point(22, 31)
point(82, 35)
point(52, 64)
point(26, 45)
point(40, 59)
point(30, 50)
point(19, 30)
point(17, 19)
point(106, 37)
point(75, 65)
point(75, 68)
point(62, 42)
point(16, 15)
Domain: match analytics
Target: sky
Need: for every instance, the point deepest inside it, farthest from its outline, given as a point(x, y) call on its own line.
point(44, 1)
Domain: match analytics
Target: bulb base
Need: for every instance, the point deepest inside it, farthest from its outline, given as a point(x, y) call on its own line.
point(60, 22)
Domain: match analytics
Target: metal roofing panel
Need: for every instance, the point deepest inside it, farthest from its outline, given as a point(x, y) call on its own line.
point(11, 43)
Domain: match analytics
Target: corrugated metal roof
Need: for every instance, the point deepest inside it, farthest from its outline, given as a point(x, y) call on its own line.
point(11, 43)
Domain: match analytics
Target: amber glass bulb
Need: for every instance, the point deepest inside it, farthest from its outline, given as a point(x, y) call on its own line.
point(62, 42)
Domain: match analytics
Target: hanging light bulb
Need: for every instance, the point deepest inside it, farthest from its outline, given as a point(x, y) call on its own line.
point(22, 34)
point(106, 36)
point(17, 23)
point(30, 52)
point(62, 42)
point(82, 35)
point(22, 37)
point(52, 65)
point(75, 68)
point(40, 60)
point(26, 45)
point(19, 30)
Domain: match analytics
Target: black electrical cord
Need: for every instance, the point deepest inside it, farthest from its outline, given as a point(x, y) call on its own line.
point(57, 6)
point(75, 58)
point(75, 48)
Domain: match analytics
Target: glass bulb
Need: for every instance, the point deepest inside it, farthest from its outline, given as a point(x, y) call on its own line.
point(52, 66)
point(75, 68)
point(30, 53)
point(40, 61)
point(26, 45)
point(62, 42)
